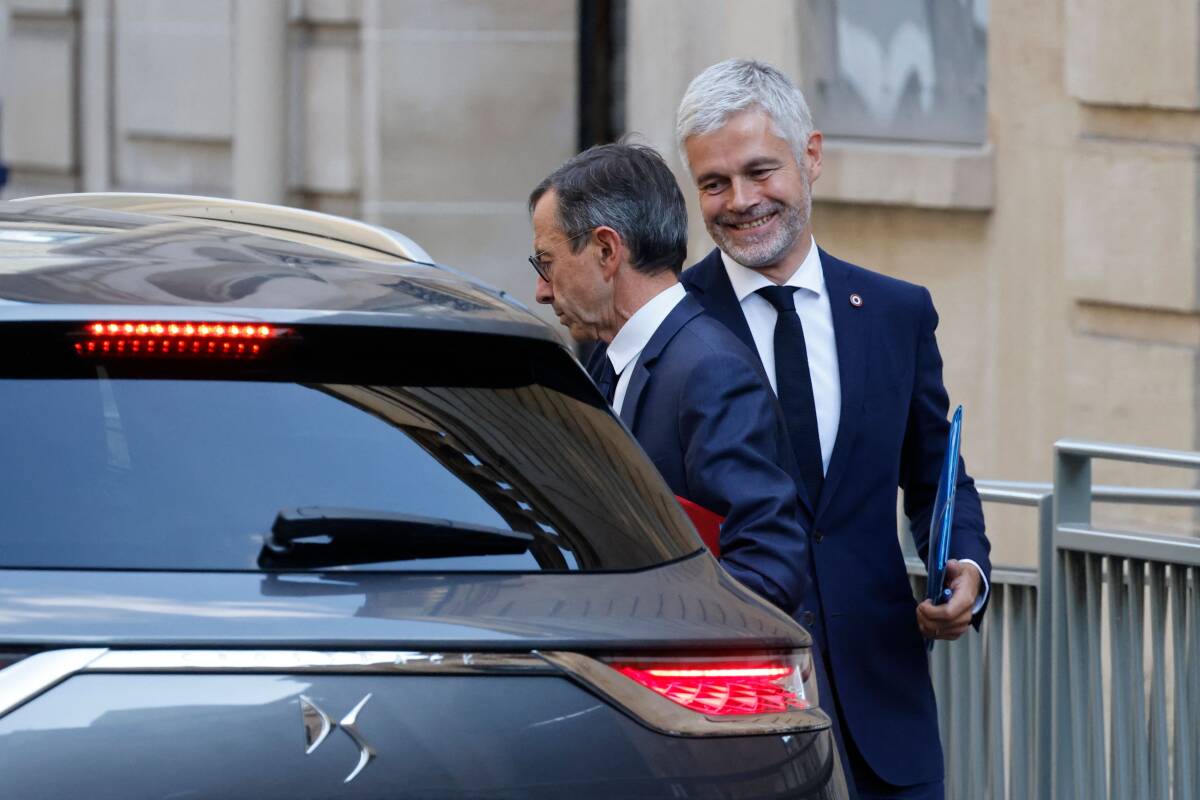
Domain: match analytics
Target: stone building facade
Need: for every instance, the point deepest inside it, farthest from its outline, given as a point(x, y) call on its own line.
point(434, 118)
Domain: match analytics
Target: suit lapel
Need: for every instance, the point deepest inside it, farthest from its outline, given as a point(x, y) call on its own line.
point(851, 330)
point(684, 311)
point(633, 393)
point(709, 283)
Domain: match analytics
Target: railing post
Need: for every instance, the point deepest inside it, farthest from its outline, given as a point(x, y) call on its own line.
point(1044, 686)
point(1072, 489)
point(1072, 504)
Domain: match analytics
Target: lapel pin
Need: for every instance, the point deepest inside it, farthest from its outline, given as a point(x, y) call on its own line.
point(856, 300)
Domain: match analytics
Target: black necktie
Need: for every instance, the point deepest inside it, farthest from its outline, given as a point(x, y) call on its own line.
point(794, 387)
point(606, 381)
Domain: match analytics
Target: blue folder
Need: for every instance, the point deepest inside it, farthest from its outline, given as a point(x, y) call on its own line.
point(942, 518)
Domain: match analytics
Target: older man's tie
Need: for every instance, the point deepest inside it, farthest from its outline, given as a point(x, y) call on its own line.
point(794, 386)
point(606, 381)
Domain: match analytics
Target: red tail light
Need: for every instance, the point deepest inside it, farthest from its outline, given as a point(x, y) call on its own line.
point(166, 338)
point(771, 685)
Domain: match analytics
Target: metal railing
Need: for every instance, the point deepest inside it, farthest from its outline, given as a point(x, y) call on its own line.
point(1151, 742)
point(1022, 706)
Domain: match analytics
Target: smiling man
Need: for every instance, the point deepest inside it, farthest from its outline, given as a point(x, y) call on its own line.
point(610, 237)
point(853, 358)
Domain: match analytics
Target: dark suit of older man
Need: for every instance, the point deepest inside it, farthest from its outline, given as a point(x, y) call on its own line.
point(701, 409)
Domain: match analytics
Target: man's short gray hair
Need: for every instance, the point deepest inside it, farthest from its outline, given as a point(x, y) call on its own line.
point(735, 85)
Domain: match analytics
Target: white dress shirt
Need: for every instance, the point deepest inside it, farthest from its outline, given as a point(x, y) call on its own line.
point(816, 317)
point(635, 334)
point(812, 306)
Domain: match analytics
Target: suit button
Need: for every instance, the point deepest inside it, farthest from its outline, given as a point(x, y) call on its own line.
point(818, 536)
point(808, 618)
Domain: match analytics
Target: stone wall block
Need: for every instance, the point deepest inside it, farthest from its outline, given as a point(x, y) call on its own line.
point(1130, 224)
point(38, 86)
point(1130, 391)
point(431, 16)
point(174, 64)
point(1141, 54)
point(895, 173)
point(184, 167)
point(41, 7)
point(331, 118)
point(333, 12)
point(499, 117)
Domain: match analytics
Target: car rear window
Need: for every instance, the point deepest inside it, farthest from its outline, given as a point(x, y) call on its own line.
point(169, 467)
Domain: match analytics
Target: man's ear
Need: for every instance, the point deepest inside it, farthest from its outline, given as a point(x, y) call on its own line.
point(812, 154)
point(610, 249)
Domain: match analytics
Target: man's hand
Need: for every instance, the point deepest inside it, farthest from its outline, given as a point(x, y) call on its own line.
point(951, 619)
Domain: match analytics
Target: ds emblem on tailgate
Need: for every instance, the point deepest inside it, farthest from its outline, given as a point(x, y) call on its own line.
point(318, 725)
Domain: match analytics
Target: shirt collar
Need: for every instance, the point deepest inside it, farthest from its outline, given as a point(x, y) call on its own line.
point(636, 332)
point(746, 281)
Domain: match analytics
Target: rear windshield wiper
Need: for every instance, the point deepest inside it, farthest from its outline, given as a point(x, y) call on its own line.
point(320, 536)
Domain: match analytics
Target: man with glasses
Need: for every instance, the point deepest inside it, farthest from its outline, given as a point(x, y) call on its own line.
point(610, 237)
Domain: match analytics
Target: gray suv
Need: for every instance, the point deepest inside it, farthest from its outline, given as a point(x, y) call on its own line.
point(287, 511)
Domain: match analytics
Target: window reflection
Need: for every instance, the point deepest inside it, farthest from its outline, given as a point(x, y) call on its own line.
point(902, 70)
point(189, 474)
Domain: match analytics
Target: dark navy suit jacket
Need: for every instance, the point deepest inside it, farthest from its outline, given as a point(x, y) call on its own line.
point(892, 433)
point(700, 407)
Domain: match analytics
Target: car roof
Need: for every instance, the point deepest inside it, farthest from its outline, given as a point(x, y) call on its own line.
point(125, 256)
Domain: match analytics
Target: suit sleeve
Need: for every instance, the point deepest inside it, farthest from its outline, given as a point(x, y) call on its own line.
point(925, 440)
point(728, 428)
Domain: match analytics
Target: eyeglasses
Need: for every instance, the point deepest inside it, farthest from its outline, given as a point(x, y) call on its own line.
point(543, 270)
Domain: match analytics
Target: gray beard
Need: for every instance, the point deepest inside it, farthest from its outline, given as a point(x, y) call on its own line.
point(768, 252)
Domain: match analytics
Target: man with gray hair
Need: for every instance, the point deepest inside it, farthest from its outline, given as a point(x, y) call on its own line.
point(853, 358)
point(610, 237)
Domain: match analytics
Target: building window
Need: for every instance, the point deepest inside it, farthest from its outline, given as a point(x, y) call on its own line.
point(907, 70)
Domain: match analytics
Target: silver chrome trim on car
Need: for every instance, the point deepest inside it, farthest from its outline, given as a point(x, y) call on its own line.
point(660, 714)
point(336, 661)
point(31, 676)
